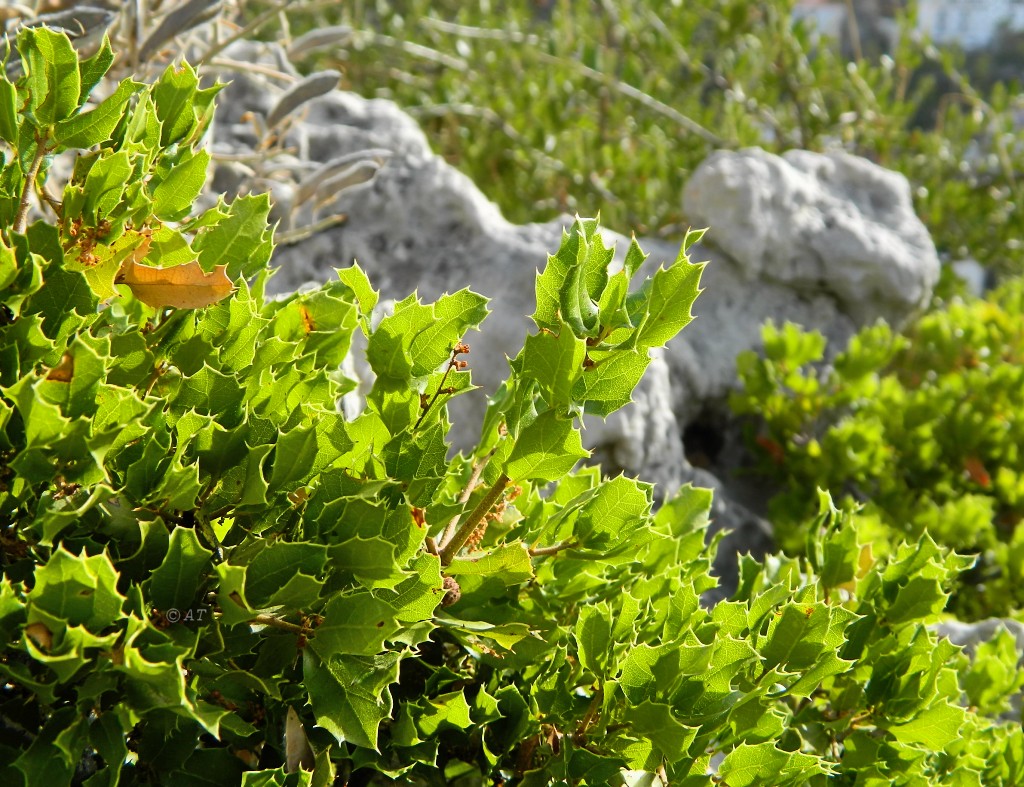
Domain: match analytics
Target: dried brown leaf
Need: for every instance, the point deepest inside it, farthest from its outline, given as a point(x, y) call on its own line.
point(63, 372)
point(182, 287)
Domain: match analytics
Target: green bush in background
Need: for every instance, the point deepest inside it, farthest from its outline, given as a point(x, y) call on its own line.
point(924, 429)
point(549, 106)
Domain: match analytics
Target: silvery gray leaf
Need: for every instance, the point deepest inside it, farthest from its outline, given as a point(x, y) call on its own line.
point(356, 175)
point(315, 39)
point(180, 20)
point(350, 170)
point(313, 86)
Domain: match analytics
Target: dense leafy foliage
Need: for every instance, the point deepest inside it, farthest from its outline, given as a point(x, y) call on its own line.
point(923, 429)
point(549, 106)
point(212, 576)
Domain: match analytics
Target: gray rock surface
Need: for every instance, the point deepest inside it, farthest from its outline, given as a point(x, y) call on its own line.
point(829, 223)
point(828, 241)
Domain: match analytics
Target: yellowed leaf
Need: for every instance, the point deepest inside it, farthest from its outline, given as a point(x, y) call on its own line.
point(40, 635)
point(64, 371)
point(182, 287)
point(307, 319)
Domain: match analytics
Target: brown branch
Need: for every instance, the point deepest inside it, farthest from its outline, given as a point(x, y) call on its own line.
point(458, 541)
point(21, 219)
point(580, 735)
point(270, 620)
point(474, 479)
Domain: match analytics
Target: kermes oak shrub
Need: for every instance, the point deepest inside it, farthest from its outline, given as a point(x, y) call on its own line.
point(211, 576)
point(923, 429)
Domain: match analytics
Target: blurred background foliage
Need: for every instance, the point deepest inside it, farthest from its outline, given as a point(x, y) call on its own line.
point(556, 106)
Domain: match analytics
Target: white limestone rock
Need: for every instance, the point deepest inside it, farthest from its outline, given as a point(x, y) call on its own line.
point(832, 223)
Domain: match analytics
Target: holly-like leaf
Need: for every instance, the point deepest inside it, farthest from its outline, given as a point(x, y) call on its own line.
point(763, 763)
point(176, 582)
point(240, 242)
point(509, 562)
point(54, 83)
point(366, 296)
point(8, 111)
point(356, 624)
point(81, 590)
point(608, 384)
point(934, 729)
point(350, 694)
point(176, 192)
point(554, 361)
point(453, 315)
point(671, 293)
point(546, 449)
point(95, 126)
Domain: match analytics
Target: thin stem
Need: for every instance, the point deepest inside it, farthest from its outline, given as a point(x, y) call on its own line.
point(21, 219)
point(581, 732)
point(55, 205)
point(437, 393)
point(552, 550)
point(289, 237)
point(458, 541)
point(270, 620)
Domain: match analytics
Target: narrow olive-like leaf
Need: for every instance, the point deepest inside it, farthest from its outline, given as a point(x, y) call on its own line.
point(180, 20)
point(353, 168)
point(336, 35)
point(306, 89)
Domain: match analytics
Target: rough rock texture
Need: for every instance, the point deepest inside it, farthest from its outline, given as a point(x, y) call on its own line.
point(825, 223)
point(827, 241)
